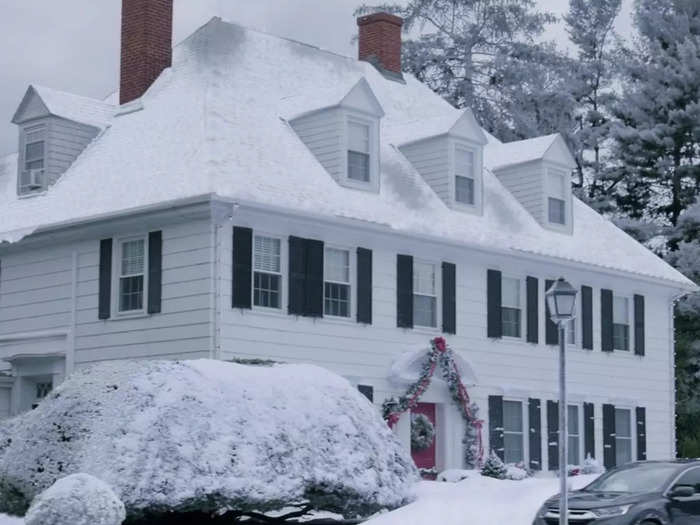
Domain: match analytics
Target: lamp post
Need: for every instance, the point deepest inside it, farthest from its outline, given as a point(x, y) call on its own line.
point(561, 300)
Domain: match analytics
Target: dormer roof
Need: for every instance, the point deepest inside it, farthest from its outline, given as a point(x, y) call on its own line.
point(459, 123)
point(40, 101)
point(552, 148)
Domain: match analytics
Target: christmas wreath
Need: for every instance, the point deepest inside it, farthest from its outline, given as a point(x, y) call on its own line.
point(422, 432)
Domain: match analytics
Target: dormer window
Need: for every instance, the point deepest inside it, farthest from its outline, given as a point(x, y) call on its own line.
point(32, 174)
point(358, 151)
point(464, 176)
point(556, 196)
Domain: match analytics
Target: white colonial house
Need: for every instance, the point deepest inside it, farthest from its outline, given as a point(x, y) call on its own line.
point(251, 197)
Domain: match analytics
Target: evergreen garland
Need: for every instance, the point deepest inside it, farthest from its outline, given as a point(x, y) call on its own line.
point(441, 354)
point(422, 432)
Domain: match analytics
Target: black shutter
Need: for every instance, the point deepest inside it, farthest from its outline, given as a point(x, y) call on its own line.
point(105, 293)
point(241, 291)
point(609, 451)
point(587, 318)
point(493, 295)
point(553, 434)
point(606, 320)
point(496, 441)
point(533, 303)
point(155, 271)
point(313, 289)
point(639, 324)
point(367, 391)
point(364, 286)
point(404, 291)
point(641, 434)
point(589, 430)
point(535, 419)
point(449, 298)
point(551, 334)
point(297, 275)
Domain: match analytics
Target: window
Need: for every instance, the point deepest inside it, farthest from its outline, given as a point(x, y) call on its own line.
point(690, 478)
point(34, 151)
point(513, 432)
point(132, 273)
point(574, 435)
point(621, 328)
point(424, 294)
point(336, 268)
point(464, 176)
point(267, 271)
point(623, 436)
point(571, 332)
point(358, 152)
point(510, 307)
point(42, 389)
point(556, 191)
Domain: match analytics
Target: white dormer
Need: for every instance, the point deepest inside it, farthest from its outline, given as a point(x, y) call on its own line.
point(538, 173)
point(448, 153)
point(342, 131)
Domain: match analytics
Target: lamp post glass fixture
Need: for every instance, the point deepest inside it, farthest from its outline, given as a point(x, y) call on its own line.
point(561, 300)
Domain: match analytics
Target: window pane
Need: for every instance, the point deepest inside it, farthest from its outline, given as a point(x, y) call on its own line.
point(337, 299)
point(267, 254)
point(423, 278)
point(33, 151)
point(573, 419)
point(691, 478)
point(424, 310)
point(464, 162)
point(43, 389)
point(511, 321)
point(571, 332)
point(623, 451)
point(556, 183)
point(34, 165)
point(266, 290)
point(620, 310)
point(557, 213)
point(512, 416)
point(337, 265)
point(358, 137)
point(621, 337)
point(510, 292)
point(513, 448)
point(133, 257)
point(623, 425)
point(358, 166)
point(131, 293)
point(464, 190)
point(573, 452)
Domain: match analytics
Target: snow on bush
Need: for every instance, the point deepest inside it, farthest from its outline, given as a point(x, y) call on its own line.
point(207, 435)
point(494, 467)
point(516, 472)
point(78, 499)
point(455, 475)
point(592, 466)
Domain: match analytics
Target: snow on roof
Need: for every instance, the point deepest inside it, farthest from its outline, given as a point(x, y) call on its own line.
point(211, 124)
point(501, 154)
point(8, 177)
point(75, 107)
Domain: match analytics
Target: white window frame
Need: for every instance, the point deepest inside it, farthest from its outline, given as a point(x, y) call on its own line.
point(354, 117)
point(521, 295)
point(438, 289)
point(525, 429)
point(559, 172)
point(281, 273)
point(630, 330)
point(116, 275)
point(350, 283)
point(477, 175)
point(579, 436)
point(42, 128)
point(631, 438)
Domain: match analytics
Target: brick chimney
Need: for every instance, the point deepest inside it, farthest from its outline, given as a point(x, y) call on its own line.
point(380, 41)
point(147, 45)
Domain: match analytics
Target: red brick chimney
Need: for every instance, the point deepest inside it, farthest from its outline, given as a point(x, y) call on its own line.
point(380, 40)
point(147, 45)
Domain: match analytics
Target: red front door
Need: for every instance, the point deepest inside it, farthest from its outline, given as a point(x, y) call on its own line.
point(424, 457)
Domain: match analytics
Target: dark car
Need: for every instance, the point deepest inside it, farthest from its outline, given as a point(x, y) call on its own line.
point(643, 493)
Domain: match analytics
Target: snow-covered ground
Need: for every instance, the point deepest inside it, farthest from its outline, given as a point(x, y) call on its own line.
point(7, 520)
point(477, 501)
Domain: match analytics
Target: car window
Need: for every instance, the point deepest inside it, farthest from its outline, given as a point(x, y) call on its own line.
point(649, 477)
point(690, 478)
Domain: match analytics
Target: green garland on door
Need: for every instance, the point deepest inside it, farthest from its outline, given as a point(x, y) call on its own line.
point(422, 432)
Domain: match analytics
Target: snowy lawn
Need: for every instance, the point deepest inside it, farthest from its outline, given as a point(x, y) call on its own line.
point(477, 501)
point(7, 520)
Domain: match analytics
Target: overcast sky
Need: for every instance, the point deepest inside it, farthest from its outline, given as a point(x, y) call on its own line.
point(73, 45)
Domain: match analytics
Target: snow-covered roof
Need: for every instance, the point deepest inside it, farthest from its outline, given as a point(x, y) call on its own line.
point(501, 154)
point(212, 124)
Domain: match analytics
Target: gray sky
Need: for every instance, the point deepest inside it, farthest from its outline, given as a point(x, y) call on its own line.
point(73, 45)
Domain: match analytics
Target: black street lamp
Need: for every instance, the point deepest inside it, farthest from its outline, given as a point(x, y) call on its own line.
point(561, 300)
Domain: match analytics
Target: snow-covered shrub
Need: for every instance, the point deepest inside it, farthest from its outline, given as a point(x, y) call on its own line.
point(592, 466)
point(455, 475)
point(517, 472)
point(78, 499)
point(201, 436)
point(494, 467)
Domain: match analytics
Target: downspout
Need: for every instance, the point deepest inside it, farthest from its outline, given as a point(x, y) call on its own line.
point(214, 350)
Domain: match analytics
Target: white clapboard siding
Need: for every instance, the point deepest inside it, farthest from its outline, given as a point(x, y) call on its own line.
point(526, 183)
point(430, 159)
point(321, 132)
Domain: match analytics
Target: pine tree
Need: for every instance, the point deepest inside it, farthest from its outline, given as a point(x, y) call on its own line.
point(494, 467)
point(590, 28)
point(657, 138)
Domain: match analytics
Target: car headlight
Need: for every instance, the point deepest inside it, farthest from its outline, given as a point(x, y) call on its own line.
point(609, 512)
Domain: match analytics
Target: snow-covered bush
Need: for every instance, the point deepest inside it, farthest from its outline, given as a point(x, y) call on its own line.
point(78, 499)
point(201, 436)
point(455, 475)
point(494, 467)
point(592, 466)
point(517, 472)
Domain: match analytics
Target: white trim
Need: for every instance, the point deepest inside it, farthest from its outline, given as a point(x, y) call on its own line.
point(525, 432)
point(352, 280)
point(438, 295)
point(24, 336)
point(116, 276)
point(630, 323)
point(283, 273)
point(523, 307)
point(477, 175)
point(353, 116)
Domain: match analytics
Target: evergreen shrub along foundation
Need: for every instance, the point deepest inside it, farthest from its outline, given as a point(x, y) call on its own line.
point(440, 354)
